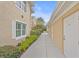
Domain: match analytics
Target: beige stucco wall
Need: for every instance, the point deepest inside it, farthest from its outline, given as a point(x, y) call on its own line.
point(8, 13)
point(58, 33)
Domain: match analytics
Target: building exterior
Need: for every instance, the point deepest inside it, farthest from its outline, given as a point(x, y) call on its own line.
point(15, 22)
point(63, 27)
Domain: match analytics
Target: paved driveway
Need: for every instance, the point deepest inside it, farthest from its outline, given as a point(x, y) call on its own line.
point(42, 48)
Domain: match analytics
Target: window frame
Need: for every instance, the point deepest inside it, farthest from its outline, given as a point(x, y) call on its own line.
point(18, 28)
point(21, 36)
point(23, 29)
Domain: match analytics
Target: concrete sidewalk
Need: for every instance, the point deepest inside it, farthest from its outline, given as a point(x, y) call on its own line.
point(42, 48)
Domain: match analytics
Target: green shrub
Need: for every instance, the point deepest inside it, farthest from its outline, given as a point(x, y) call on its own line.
point(38, 30)
point(9, 52)
point(27, 42)
point(14, 54)
point(35, 32)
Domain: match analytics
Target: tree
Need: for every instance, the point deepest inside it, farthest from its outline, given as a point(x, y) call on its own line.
point(40, 21)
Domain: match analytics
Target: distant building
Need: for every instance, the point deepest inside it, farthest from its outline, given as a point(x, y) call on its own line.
point(63, 27)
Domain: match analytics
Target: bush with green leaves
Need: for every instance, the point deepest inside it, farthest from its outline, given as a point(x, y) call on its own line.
point(9, 52)
point(27, 42)
point(37, 30)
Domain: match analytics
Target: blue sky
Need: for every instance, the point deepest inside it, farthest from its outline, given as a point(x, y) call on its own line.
point(44, 9)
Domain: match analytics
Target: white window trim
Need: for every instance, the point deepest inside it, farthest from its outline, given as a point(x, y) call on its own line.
point(20, 37)
point(14, 30)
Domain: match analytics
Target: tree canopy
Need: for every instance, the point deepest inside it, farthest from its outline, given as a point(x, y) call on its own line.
point(40, 21)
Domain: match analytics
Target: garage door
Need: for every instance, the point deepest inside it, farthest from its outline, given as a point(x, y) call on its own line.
point(71, 35)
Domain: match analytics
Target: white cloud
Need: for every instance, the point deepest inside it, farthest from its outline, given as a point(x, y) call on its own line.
point(37, 7)
point(40, 13)
point(45, 16)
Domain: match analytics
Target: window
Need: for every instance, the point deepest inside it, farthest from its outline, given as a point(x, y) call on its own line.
point(18, 4)
point(22, 5)
point(23, 29)
point(20, 29)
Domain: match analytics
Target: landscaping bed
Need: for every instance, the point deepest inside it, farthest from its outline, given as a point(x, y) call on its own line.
point(9, 52)
point(16, 52)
